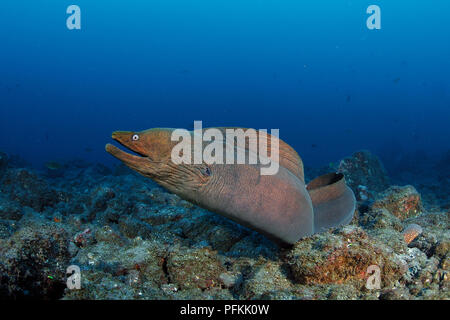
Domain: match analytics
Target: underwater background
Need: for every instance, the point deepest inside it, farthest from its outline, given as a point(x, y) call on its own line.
point(372, 104)
point(313, 70)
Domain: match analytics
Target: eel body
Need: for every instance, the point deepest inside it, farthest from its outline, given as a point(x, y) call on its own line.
point(279, 206)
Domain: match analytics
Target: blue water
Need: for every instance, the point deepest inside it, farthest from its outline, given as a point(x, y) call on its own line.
point(312, 69)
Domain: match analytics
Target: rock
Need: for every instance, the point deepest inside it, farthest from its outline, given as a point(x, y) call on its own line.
point(266, 279)
point(254, 246)
point(379, 218)
point(108, 235)
point(84, 238)
point(132, 227)
point(195, 268)
point(9, 210)
point(73, 249)
point(101, 196)
point(344, 292)
point(219, 232)
point(3, 163)
point(442, 249)
point(403, 202)
point(230, 280)
point(28, 189)
point(395, 294)
point(342, 257)
point(364, 174)
point(140, 263)
point(33, 262)
point(161, 216)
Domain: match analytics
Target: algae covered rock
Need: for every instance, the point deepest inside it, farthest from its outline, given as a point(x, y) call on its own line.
point(29, 189)
point(100, 197)
point(136, 267)
point(364, 174)
point(403, 202)
point(379, 218)
point(33, 262)
point(267, 279)
point(9, 210)
point(133, 228)
point(195, 268)
point(217, 231)
point(342, 257)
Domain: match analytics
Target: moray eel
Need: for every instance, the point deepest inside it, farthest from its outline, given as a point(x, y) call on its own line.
point(280, 206)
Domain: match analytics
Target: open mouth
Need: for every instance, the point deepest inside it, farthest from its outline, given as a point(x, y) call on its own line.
point(134, 161)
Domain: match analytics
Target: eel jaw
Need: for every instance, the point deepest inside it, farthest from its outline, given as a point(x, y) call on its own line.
point(134, 162)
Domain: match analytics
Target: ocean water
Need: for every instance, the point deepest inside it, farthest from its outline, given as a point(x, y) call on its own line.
point(313, 70)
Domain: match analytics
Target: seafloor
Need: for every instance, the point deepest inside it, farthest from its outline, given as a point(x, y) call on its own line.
point(133, 240)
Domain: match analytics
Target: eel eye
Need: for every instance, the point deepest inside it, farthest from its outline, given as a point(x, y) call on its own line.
point(135, 137)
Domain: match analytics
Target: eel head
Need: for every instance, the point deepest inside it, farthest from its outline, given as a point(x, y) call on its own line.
point(150, 148)
point(152, 159)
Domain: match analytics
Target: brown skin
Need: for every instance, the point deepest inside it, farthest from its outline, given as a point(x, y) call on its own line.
point(278, 206)
point(238, 191)
point(154, 147)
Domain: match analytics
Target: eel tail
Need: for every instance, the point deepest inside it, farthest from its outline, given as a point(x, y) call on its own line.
point(333, 201)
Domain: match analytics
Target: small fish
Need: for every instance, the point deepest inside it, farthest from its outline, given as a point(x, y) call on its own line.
point(348, 98)
point(396, 80)
point(53, 165)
